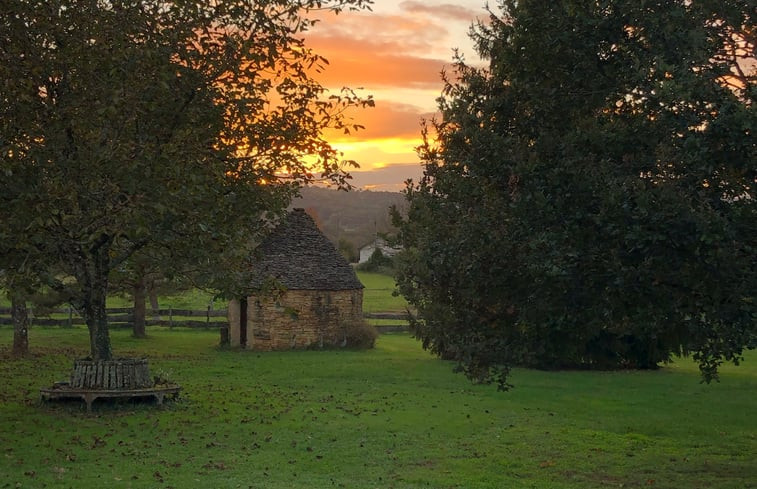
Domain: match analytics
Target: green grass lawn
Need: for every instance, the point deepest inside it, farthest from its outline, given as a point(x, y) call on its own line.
point(377, 295)
point(392, 417)
point(189, 299)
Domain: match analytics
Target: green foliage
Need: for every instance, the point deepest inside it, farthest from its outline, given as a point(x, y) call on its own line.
point(155, 133)
point(348, 250)
point(589, 197)
point(378, 263)
point(393, 416)
point(361, 335)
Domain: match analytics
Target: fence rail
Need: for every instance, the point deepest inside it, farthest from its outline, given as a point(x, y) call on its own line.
point(400, 316)
point(124, 317)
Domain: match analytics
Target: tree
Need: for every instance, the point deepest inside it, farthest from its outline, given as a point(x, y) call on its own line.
point(377, 262)
point(20, 318)
point(135, 123)
point(19, 276)
point(588, 199)
point(19, 311)
point(348, 250)
point(136, 279)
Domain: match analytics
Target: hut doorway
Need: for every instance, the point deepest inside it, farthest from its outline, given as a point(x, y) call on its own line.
point(243, 321)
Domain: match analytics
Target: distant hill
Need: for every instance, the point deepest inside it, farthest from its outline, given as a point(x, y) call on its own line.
point(355, 216)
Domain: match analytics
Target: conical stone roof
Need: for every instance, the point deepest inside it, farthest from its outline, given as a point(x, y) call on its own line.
point(298, 256)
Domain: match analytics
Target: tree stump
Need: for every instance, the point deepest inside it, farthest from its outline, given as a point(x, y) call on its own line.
point(121, 373)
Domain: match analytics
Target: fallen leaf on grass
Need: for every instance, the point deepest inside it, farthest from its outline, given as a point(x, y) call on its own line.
point(98, 442)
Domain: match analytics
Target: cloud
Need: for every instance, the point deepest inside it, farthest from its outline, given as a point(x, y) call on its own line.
point(374, 70)
point(378, 50)
point(390, 178)
point(384, 32)
point(387, 120)
point(393, 120)
point(373, 154)
point(386, 51)
point(396, 53)
point(445, 10)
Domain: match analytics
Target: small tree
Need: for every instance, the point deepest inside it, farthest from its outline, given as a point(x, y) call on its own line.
point(136, 279)
point(20, 318)
point(377, 262)
point(348, 250)
point(20, 270)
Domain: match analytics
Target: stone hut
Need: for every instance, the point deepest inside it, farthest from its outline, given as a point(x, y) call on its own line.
point(307, 295)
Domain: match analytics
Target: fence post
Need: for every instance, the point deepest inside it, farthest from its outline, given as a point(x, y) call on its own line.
point(70, 318)
point(170, 317)
point(207, 317)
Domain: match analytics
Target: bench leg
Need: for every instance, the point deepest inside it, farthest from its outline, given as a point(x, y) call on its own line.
point(89, 399)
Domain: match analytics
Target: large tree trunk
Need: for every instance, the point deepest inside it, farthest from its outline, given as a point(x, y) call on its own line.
point(94, 290)
point(97, 322)
point(139, 306)
point(20, 316)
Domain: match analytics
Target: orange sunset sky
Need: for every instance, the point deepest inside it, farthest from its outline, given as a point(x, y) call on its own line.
point(394, 53)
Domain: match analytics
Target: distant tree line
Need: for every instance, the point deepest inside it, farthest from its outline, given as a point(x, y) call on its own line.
point(351, 219)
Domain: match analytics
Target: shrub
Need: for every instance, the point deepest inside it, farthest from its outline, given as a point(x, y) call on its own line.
point(360, 335)
point(378, 262)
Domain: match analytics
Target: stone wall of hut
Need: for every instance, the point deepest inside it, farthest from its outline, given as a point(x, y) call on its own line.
point(233, 313)
point(297, 319)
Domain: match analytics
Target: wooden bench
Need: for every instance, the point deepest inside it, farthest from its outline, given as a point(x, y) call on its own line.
point(63, 390)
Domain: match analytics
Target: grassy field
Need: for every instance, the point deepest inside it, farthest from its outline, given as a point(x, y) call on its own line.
point(392, 417)
point(377, 295)
point(190, 299)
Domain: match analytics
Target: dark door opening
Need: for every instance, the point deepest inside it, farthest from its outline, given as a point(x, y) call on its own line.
point(243, 321)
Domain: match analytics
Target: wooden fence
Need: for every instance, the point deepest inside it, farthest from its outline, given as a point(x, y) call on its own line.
point(389, 328)
point(124, 317)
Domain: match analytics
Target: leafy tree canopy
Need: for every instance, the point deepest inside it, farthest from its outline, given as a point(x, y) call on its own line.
point(171, 125)
point(588, 199)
